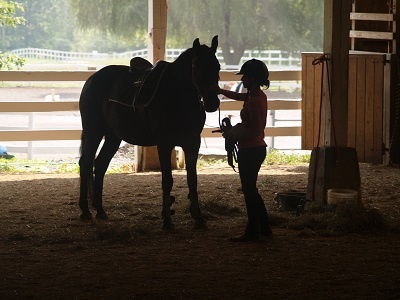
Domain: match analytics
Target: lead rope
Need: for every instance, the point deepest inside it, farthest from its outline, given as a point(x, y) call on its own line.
point(231, 148)
point(323, 59)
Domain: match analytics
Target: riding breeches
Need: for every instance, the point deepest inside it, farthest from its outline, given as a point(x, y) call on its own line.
point(249, 162)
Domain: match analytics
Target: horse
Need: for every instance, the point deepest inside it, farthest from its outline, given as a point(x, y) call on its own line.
point(164, 106)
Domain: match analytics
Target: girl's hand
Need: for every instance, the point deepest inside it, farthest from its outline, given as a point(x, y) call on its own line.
point(236, 133)
point(215, 88)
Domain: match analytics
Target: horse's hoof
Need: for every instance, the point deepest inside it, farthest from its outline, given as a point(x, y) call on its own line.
point(86, 216)
point(200, 224)
point(167, 226)
point(101, 216)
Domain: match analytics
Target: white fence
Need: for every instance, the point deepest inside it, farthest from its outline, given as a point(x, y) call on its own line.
point(29, 133)
point(270, 57)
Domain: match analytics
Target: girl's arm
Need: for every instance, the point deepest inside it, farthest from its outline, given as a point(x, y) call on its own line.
point(230, 94)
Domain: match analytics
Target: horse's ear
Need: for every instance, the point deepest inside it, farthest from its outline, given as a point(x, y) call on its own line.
point(196, 44)
point(214, 43)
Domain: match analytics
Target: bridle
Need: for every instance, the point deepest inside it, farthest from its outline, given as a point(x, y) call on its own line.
point(196, 80)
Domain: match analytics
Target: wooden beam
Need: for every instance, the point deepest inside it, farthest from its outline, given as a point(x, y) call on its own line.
point(272, 104)
point(376, 35)
point(269, 131)
point(147, 157)
point(157, 23)
point(371, 17)
point(75, 134)
point(284, 75)
point(30, 106)
point(336, 47)
point(40, 135)
point(281, 75)
point(45, 75)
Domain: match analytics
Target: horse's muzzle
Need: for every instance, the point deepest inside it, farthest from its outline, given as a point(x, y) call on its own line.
point(211, 101)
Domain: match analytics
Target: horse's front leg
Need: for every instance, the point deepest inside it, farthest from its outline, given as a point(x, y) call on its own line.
point(191, 173)
point(164, 154)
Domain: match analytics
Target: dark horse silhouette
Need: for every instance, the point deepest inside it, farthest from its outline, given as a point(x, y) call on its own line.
point(164, 106)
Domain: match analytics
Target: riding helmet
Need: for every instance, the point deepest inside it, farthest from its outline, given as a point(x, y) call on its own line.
point(257, 69)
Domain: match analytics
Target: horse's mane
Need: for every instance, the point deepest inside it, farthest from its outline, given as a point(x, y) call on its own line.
point(182, 68)
point(184, 61)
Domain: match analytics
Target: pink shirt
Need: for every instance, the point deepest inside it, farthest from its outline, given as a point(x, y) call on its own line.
point(254, 118)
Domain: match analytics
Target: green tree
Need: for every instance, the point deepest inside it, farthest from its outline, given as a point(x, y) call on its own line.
point(48, 25)
point(8, 18)
point(292, 25)
point(124, 19)
point(239, 24)
point(51, 24)
point(296, 25)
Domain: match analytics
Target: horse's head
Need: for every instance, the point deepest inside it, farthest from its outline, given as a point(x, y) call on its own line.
point(205, 72)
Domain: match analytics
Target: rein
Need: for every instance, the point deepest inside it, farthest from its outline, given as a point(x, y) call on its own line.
point(231, 147)
point(194, 81)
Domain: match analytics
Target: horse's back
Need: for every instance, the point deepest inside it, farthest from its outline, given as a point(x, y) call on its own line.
point(102, 82)
point(96, 92)
point(106, 106)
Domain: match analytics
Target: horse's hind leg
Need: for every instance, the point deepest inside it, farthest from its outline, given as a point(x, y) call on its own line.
point(191, 173)
point(89, 145)
point(101, 163)
point(164, 154)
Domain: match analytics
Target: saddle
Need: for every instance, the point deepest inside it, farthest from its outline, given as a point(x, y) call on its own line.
point(138, 90)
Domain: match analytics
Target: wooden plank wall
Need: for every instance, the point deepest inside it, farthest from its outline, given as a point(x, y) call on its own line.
point(311, 98)
point(365, 104)
point(373, 26)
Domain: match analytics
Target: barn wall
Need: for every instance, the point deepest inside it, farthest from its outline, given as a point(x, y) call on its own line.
point(379, 7)
point(311, 99)
point(367, 104)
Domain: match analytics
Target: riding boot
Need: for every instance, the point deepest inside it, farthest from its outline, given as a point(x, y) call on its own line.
point(253, 226)
point(265, 228)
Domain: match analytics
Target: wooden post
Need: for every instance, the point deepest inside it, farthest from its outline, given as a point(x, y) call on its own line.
point(334, 165)
point(157, 30)
point(147, 157)
point(336, 46)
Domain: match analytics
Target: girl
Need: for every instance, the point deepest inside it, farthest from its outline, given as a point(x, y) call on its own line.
point(252, 148)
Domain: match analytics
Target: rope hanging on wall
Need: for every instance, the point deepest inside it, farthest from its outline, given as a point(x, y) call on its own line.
point(323, 59)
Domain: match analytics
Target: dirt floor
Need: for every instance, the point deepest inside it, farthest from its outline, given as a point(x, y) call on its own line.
point(46, 252)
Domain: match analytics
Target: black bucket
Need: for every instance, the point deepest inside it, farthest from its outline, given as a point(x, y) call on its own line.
point(290, 201)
